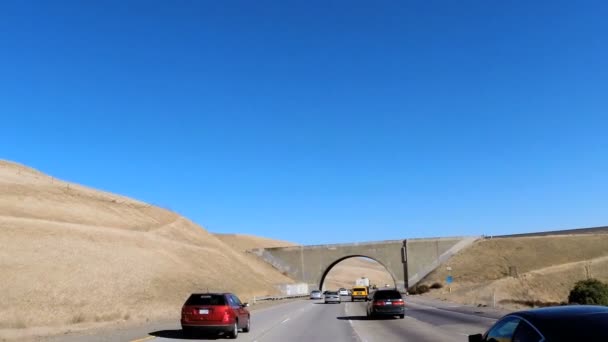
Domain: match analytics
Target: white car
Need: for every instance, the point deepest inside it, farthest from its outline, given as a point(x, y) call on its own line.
point(343, 292)
point(332, 297)
point(316, 294)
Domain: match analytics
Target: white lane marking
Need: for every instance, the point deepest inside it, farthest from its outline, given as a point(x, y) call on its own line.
point(350, 321)
point(263, 333)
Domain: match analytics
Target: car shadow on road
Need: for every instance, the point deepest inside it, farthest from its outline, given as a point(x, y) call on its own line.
point(365, 318)
point(353, 318)
point(179, 335)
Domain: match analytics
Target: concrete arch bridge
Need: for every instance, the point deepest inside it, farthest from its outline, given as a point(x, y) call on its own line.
point(407, 261)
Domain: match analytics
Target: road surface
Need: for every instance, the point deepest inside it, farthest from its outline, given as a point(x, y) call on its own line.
point(306, 320)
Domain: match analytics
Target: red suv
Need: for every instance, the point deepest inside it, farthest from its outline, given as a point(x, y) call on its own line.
point(215, 313)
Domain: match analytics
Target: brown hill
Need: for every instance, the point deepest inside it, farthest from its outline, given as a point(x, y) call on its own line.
point(75, 255)
point(243, 243)
point(516, 272)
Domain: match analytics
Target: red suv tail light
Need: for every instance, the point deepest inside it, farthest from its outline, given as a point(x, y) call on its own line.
point(226, 317)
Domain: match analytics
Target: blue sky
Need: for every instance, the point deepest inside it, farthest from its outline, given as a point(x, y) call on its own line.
point(318, 122)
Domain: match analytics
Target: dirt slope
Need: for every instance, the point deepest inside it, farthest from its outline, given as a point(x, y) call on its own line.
point(513, 272)
point(75, 255)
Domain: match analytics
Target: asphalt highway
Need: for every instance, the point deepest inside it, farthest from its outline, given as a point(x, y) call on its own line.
point(308, 320)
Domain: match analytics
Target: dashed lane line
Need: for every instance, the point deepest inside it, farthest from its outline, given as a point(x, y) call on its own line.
point(268, 330)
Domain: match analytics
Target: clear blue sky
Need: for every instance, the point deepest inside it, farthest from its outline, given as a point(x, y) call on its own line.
point(318, 122)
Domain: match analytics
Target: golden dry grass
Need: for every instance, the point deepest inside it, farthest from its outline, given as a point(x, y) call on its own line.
point(243, 243)
point(75, 255)
point(515, 271)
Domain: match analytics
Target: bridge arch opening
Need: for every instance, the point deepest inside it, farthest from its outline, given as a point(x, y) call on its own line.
point(358, 266)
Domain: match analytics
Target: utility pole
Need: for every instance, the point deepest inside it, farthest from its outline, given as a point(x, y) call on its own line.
point(406, 284)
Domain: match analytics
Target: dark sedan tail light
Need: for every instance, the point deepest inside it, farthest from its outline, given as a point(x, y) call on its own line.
point(379, 303)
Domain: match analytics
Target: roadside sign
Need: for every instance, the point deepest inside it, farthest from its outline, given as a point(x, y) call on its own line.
point(449, 279)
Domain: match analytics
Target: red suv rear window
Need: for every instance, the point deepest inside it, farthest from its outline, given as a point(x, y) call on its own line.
point(206, 299)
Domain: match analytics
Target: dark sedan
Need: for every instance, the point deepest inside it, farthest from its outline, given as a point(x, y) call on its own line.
point(386, 303)
point(552, 324)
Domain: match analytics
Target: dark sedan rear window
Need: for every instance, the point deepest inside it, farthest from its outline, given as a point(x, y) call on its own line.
point(387, 295)
point(202, 299)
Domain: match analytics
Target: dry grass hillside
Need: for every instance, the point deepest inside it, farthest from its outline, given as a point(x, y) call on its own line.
point(342, 275)
point(72, 255)
point(242, 242)
point(516, 272)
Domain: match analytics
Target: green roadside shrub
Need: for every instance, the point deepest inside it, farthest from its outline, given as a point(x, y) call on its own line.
point(422, 289)
point(436, 286)
point(590, 291)
point(418, 289)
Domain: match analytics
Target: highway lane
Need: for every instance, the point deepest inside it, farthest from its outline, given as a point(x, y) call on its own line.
point(424, 321)
point(306, 320)
point(315, 321)
point(297, 321)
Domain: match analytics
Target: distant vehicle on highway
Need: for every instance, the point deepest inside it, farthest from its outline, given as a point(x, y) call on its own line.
point(332, 297)
point(316, 294)
point(386, 303)
point(363, 281)
point(359, 293)
point(552, 324)
point(343, 292)
point(215, 313)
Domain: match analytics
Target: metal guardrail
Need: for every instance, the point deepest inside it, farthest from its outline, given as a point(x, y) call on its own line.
point(281, 297)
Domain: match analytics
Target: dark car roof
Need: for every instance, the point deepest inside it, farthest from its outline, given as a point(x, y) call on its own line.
point(570, 322)
point(385, 290)
point(210, 293)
